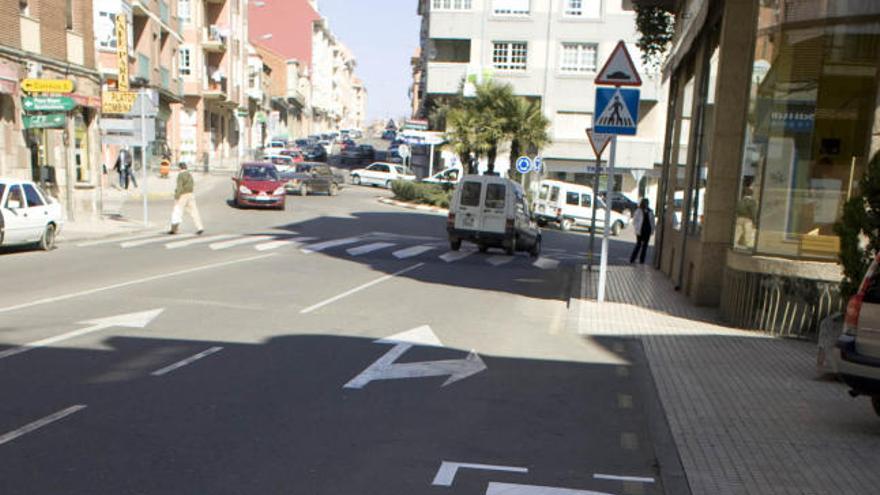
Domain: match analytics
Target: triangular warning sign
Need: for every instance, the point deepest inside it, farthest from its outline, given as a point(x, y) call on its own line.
point(615, 113)
point(619, 70)
point(598, 141)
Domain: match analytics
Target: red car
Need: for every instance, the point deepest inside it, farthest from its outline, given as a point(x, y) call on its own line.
point(258, 184)
point(295, 154)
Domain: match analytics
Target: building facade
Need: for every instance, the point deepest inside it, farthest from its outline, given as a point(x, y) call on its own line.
point(210, 127)
point(772, 118)
point(549, 50)
point(51, 39)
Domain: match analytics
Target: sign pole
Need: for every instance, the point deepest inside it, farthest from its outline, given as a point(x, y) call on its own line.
point(603, 267)
point(593, 215)
point(144, 154)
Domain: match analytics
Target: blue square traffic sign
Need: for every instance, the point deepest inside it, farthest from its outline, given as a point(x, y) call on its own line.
point(616, 111)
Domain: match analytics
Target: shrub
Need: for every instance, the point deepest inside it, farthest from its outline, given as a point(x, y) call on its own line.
point(418, 192)
point(859, 229)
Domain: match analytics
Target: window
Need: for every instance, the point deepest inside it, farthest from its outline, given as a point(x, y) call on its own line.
point(571, 198)
point(450, 4)
point(15, 196)
point(701, 165)
point(544, 190)
point(23, 7)
point(582, 8)
point(510, 7)
point(495, 195)
point(68, 14)
point(185, 68)
point(470, 193)
point(586, 201)
point(554, 194)
point(510, 55)
point(183, 10)
point(450, 50)
point(578, 57)
point(33, 197)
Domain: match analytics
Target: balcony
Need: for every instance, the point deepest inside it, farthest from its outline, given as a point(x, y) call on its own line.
point(445, 77)
point(214, 39)
point(215, 85)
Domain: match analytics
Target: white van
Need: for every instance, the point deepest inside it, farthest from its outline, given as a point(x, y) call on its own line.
point(568, 205)
point(491, 211)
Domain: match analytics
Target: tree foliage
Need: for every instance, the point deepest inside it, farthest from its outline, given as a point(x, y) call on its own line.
point(656, 28)
point(859, 229)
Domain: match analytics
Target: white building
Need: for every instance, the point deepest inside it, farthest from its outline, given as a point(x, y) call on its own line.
point(551, 50)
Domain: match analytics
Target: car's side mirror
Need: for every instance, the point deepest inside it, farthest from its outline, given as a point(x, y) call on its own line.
point(13, 204)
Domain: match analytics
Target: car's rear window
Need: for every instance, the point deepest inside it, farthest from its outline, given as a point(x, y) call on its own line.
point(470, 193)
point(495, 194)
point(554, 194)
point(544, 190)
point(260, 173)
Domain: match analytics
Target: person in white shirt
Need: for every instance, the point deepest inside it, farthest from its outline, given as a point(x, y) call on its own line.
point(643, 222)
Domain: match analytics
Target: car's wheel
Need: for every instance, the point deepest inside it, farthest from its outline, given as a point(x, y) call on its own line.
point(566, 224)
point(511, 247)
point(616, 228)
point(356, 180)
point(536, 248)
point(455, 244)
point(334, 190)
point(875, 401)
point(482, 247)
point(303, 190)
point(47, 242)
point(387, 184)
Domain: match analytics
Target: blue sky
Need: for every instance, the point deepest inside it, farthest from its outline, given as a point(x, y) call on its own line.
point(382, 34)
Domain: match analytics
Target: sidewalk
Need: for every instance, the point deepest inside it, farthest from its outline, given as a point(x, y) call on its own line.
point(745, 410)
point(122, 208)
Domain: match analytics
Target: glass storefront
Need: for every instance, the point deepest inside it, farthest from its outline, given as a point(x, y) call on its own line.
point(812, 105)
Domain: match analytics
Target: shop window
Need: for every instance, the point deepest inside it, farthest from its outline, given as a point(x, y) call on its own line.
point(811, 115)
point(81, 149)
point(700, 175)
point(678, 159)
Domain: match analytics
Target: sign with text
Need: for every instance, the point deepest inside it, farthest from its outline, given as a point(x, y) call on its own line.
point(47, 86)
point(122, 52)
point(47, 103)
point(47, 121)
point(118, 102)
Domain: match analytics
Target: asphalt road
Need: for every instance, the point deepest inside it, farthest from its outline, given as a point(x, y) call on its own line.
point(246, 361)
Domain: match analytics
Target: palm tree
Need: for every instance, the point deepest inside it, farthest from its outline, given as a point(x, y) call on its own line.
point(528, 128)
point(490, 103)
point(463, 133)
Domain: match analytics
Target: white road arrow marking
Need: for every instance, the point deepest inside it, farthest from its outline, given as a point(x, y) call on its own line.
point(130, 320)
point(446, 474)
point(385, 367)
point(496, 488)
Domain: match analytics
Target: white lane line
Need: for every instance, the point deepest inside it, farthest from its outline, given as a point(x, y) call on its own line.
point(36, 425)
point(187, 361)
point(412, 251)
point(369, 248)
point(268, 246)
point(240, 242)
point(138, 281)
point(451, 256)
point(117, 239)
point(359, 288)
point(154, 240)
point(200, 240)
point(636, 479)
point(499, 260)
point(546, 263)
point(313, 248)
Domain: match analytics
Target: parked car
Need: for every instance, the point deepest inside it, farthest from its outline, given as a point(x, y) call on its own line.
point(277, 144)
point(303, 143)
point(857, 355)
point(621, 203)
point(282, 162)
point(311, 177)
point(381, 174)
point(258, 184)
point(569, 205)
point(347, 145)
point(315, 154)
point(491, 211)
point(28, 215)
point(446, 177)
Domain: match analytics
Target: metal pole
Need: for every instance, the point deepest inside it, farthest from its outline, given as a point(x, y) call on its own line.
point(144, 155)
point(431, 161)
point(69, 143)
point(603, 267)
point(593, 215)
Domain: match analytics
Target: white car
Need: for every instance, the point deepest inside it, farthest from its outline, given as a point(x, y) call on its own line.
point(571, 205)
point(27, 215)
point(283, 163)
point(381, 174)
point(450, 176)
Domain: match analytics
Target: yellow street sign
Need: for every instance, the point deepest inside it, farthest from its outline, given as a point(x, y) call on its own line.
point(47, 85)
point(122, 51)
point(117, 101)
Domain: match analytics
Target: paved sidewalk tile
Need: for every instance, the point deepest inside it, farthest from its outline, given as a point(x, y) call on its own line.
point(746, 411)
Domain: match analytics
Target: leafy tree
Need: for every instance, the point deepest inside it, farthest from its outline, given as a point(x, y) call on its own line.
point(860, 221)
point(527, 129)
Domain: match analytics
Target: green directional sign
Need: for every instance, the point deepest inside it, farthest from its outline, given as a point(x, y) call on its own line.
point(48, 120)
point(47, 103)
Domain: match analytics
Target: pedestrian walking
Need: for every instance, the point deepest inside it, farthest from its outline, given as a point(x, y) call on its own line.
point(643, 222)
point(129, 170)
point(119, 168)
point(185, 200)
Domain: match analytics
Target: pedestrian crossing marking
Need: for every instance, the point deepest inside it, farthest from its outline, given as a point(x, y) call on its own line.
point(200, 240)
point(411, 251)
point(314, 248)
point(499, 260)
point(545, 263)
point(451, 256)
point(152, 240)
point(240, 242)
point(369, 248)
point(115, 240)
point(268, 246)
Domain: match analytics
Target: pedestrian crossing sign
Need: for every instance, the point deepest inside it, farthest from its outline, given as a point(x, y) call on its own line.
point(617, 111)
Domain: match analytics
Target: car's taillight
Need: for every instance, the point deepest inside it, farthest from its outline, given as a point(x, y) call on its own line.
point(853, 308)
point(450, 220)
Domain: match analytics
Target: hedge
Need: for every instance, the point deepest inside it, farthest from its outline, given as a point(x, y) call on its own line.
point(420, 192)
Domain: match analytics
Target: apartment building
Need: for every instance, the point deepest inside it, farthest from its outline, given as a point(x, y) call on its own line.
point(154, 33)
point(51, 39)
point(211, 126)
point(550, 50)
point(259, 81)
